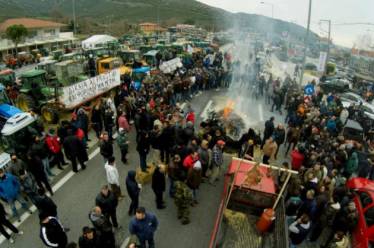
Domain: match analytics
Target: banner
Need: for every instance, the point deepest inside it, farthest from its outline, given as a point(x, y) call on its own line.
point(81, 92)
point(322, 61)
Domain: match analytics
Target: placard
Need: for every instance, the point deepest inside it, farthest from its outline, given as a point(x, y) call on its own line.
point(86, 90)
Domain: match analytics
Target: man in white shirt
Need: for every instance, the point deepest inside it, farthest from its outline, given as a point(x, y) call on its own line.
point(112, 176)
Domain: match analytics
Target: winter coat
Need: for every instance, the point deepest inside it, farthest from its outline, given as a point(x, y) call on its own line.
point(82, 121)
point(39, 149)
point(158, 180)
point(53, 233)
point(28, 185)
point(15, 166)
point(292, 205)
point(53, 144)
point(352, 163)
point(111, 174)
point(46, 205)
point(107, 203)
point(203, 156)
point(131, 185)
point(298, 232)
point(194, 176)
point(100, 222)
point(143, 144)
point(91, 243)
point(144, 229)
point(122, 140)
point(123, 123)
point(73, 147)
point(9, 187)
point(96, 116)
point(279, 136)
point(167, 137)
point(269, 129)
point(106, 149)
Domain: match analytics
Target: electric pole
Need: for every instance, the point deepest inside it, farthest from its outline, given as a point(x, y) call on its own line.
point(74, 18)
point(306, 42)
point(328, 44)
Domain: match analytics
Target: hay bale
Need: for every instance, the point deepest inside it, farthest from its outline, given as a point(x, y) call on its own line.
point(145, 177)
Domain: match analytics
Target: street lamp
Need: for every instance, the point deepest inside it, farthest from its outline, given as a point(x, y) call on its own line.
point(272, 8)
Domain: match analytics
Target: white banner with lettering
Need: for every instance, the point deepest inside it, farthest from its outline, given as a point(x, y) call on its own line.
point(322, 61)
point(81, 92)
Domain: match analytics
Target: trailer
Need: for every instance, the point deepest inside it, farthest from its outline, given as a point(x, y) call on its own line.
point(243, 204)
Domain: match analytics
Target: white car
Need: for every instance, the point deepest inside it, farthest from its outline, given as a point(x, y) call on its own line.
point(368, 108)
point(351, 97)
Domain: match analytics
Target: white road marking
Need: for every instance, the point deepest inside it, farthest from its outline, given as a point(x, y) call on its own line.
point(55, 187)
point(261, 113)
point(203, 114)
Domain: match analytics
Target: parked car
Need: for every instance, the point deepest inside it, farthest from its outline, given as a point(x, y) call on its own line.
point(351, 97)
point(363, 235)
point(334, 86)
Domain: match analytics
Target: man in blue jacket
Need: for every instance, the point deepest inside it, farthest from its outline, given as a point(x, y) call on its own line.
point(10, 192)
point(144, 225)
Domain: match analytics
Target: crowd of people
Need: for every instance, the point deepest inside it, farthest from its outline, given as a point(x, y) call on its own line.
point(317, 199)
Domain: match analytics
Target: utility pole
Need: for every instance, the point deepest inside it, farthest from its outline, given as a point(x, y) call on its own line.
point(74, 18)
point(306, 42)
point(328, 44)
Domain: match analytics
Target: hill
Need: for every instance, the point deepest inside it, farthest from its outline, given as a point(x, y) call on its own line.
point(111, 15)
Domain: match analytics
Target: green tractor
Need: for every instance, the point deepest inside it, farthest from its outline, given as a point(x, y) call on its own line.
point(38, 95)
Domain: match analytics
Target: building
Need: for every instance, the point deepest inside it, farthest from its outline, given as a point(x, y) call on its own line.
point(363, 66)
point(149, 27)
point(42, 34)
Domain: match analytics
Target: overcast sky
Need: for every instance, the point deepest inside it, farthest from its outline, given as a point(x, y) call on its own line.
point(339, 11)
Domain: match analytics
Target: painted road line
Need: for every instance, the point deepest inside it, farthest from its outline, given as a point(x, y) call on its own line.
point(261, 112)
point(203, 114)
point(55, 187)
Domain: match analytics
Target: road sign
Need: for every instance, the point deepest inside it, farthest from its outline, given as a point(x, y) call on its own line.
point(309, 89)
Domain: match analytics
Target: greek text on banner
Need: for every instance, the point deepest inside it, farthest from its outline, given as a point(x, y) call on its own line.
point(86, 90)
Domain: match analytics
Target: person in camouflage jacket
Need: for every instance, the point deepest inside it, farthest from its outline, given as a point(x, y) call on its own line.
point(183, 200)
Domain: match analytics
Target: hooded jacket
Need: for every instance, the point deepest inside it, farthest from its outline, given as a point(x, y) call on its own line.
point(131, 185)
point(144, 228)
point(9, 187)
point(158, 180)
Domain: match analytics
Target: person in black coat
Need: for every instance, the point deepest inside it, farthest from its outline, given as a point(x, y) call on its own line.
point(133, 190)
point(45, 205)
point(75, 149)
point(143, 146)
point(108, 203)
point(106, 147)
point(35, 166)
point(82, 121)
point(159, 185)
point(97, 120)
point(167, 140)
point(90, 238)
point(279, 137)
point(269, 129)
point(4, 222)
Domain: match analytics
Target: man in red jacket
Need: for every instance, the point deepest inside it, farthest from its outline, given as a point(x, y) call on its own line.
point(190, 160)
point(54, 146)
point(297, 159)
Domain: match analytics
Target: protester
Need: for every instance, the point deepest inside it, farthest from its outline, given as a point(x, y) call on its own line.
point(159, 185)
point(55, 148)
point(90, 238)
point(108, 203)
point(102, 225)
point(217, 161)
point(52, 233)
point(183, 199)
point(4, 222)
point(112, 176)
point(133, 191)
point(106, 146)
point(75, 150)
point(144, 225)
point(123, 144)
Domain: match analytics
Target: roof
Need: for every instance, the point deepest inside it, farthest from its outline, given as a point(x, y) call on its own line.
point(33, 73)
point(148, 24)
point(30, 23)
point(97, 39)
point(266, 184)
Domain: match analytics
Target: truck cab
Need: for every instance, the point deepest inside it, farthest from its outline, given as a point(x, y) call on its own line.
point(363, 235)
point(111, 63)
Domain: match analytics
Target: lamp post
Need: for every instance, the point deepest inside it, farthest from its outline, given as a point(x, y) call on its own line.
point(328, 43)
point(306, 42)
point(272, 8)
point(74, 18)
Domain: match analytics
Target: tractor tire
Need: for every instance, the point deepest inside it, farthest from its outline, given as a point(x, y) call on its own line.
point(25, 103)
point(49, 114)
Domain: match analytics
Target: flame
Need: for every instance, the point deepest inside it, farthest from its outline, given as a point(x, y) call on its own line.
point(228, 108)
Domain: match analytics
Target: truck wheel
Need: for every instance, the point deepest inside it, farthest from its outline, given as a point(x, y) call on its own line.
point(49, 114)
point(25, 102)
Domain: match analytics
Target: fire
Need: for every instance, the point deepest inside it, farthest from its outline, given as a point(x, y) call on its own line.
point(228, 108)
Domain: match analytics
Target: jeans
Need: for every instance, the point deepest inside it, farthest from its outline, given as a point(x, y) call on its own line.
point(143, 161)
point(194, 194)
point(47, 169)
point(172, 187)
point(12, 204)
point(151, 243)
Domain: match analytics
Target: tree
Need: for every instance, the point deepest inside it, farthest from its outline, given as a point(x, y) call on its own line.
point(16, 33)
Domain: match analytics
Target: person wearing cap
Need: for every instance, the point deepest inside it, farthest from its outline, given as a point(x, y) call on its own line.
point(123, 144)
point(144, 225)
point(217, 161)
point(55, 148)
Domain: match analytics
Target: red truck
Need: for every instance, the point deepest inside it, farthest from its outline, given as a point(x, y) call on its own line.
point(363, 235)
point(241, 208)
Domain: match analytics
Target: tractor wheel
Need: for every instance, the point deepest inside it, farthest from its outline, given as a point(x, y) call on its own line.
point(25, 102)
point(49, 114)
